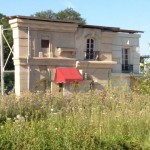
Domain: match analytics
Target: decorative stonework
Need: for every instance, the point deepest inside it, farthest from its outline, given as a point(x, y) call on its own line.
point(95, 64)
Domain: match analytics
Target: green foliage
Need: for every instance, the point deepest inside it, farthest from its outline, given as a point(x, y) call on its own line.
point(70, 14)
point(9, 79)
point(67, 14)
point(4, 21)
point(8, 35)
point(45, 14)
point(95, 121)
point(142, 85)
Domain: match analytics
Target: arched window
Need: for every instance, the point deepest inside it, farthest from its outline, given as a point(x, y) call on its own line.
point(90, 49)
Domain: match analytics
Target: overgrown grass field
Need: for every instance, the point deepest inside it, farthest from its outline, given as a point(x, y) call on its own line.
point(111, 119)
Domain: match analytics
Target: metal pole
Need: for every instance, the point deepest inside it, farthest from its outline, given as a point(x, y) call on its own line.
point(28, 59)
point(2, 60)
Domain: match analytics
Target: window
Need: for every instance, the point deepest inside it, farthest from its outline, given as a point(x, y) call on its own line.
point(44, 43)
point(126, 66)
point(90, 49)
point(125, 56)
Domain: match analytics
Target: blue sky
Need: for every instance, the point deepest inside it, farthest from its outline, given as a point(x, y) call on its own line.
point(126, 14)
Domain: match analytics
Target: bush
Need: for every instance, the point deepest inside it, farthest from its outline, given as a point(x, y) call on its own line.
point(109, 119)
point(142, 85)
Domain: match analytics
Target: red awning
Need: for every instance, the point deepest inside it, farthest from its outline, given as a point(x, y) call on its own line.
point(63, 75)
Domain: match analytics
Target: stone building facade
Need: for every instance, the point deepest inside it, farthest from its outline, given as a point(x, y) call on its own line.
point(98, 53)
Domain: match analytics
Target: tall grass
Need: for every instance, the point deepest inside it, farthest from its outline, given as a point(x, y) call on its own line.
point(110, 119)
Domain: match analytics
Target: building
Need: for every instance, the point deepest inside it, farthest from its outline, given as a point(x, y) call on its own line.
point(59, 54)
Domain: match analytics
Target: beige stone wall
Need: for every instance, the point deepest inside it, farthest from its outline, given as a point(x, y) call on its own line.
point(60, 35)
point(21, 79)
point(38, 75)
point(120, 80)
point(99, 77)
point(67, 46)
point(56, 40)
point(81, 37)
point(102, 42)
point(130, 41)
point(20, 37)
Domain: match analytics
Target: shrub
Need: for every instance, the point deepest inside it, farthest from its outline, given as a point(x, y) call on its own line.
point(110, 119)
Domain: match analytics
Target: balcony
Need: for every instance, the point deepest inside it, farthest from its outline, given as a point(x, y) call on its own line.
point(127, 68)
point(92, 55)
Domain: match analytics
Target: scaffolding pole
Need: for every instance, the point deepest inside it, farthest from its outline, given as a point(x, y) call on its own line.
point(28, 59)
point(3, 64)
point(2, 59)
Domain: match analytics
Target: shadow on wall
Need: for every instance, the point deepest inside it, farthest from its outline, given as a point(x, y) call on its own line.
point(41, 85)
point(98, 86)
point(103, 57)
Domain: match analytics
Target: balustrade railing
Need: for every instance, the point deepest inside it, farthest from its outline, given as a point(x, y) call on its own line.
point(127, 68)
point(92, 55)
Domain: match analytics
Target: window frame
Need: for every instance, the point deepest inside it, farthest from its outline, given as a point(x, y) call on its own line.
point(126, 66)
point(125, 56)
point(90, 45)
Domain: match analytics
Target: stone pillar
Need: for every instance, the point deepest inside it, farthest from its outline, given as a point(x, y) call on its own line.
point(21, 79)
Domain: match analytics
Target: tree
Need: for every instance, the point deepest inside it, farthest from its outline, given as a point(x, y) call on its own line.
point(67, 14)
point(8, 77)
point(45, 14)
point(70, 14)
point(8, 35)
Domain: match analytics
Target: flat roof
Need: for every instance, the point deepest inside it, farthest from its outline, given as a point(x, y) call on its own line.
point(113, 29)
point(42, 19)
point(103, 28)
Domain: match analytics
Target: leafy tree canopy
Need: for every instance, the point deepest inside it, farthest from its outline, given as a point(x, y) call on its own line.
point(8, 35)
point(9, 78)
point(45, 14)
point(4, 21)
point(67, 14)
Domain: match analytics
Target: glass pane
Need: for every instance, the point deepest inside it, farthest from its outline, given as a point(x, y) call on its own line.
point(126, 51)
point(92, 41)
point(91, 50)
point(88, 45)
point(87, 55)
point(126, 62)
point(44, 43)
point(91, 55)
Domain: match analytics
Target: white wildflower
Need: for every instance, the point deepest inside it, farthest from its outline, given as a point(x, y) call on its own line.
point(19, 118)
point(56, 129)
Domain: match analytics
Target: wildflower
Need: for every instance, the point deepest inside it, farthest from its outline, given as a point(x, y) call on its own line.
point(52, 109)
point(2, 127)
point(80, 108)
point(8, 119)
point(19, 118)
